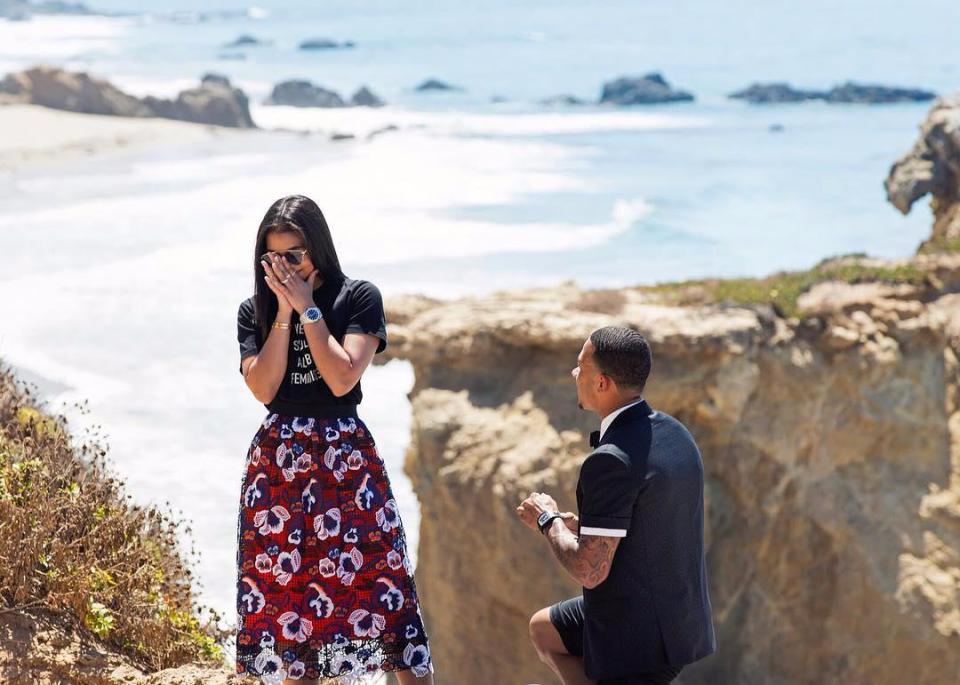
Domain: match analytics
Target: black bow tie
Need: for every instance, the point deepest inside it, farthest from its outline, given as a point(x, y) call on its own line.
point(594, 438)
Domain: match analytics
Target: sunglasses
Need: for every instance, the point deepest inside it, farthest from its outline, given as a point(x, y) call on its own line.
point(292, 256)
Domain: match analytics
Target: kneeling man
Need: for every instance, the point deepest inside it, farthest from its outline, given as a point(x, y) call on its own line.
point(637, 545)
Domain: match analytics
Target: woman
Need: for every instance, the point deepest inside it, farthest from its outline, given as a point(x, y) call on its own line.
point(324, 583)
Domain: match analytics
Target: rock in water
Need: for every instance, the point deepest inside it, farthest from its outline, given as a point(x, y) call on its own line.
point(848, 93)
point(325, 44)
point(300, 93)
point(246, 41)
point(933, 166)
point(642, 90)
point(851, 92)
point(76, 92)
point(562, 100)
point(767, 93)
point(435, 84)
point(364, 97)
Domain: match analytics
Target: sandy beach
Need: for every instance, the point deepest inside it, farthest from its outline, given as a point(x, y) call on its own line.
point(31, 134)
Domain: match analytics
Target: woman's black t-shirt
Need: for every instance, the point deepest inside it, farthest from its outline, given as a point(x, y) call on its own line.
point(348, 306)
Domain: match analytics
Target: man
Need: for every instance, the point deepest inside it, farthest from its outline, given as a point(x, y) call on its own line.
point(637, 545)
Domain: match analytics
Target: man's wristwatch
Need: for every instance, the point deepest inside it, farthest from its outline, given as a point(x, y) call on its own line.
point(311, 315)
point(545, 519)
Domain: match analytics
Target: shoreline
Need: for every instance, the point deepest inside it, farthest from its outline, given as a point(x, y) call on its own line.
point(32, 135)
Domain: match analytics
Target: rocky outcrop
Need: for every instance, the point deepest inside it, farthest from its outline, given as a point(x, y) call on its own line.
point(364, 97)
point(831, 443)
point(76, 92)
point(846, 93)
point(642, 90)
point(300, 93)
point(768, 93)
point(859, 93)
point(47, 648)
point(433, 84)
point(933, 167)
point(214, 102)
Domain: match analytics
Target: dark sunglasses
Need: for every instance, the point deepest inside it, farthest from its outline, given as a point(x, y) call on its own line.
point(292, 256)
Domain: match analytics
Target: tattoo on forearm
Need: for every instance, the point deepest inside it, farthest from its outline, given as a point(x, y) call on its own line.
point(587, 559)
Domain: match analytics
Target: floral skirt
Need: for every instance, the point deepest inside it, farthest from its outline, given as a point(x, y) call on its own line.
point(324, 584)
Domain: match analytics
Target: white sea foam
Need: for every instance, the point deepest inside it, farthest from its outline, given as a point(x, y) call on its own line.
point(44, 39)
point(363, 120)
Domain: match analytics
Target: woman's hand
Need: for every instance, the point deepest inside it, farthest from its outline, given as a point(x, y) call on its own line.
point(284, 308)
point(296, 292)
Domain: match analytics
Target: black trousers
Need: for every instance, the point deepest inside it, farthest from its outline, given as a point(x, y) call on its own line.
point(568, 618)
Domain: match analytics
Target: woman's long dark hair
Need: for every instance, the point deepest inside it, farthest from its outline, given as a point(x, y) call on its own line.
point(297, 214)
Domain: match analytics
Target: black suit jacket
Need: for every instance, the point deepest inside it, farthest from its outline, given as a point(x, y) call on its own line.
point(644, 483)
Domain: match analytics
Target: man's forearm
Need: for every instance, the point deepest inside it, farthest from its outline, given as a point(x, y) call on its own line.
point(586, 559)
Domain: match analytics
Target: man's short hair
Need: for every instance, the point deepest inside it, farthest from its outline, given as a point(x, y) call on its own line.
point(623, 355)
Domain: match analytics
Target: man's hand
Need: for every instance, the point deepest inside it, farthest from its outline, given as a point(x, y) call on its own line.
point(531, 508)
point(571, 521)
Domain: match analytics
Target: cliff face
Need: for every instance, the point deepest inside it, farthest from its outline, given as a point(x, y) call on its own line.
point(831, 443)
point(933, 166)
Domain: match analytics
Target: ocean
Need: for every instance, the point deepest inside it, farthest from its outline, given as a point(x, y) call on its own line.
point(123, 274)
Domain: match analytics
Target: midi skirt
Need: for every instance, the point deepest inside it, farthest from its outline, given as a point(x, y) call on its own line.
point(324, 584)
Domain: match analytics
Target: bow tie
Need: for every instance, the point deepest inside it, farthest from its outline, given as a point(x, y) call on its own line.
point(594, 438)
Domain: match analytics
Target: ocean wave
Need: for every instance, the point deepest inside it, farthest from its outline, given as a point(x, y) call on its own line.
point(361, 121)
point(44, 39)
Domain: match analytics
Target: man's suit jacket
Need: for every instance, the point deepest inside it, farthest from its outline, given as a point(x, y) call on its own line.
point(644, 483)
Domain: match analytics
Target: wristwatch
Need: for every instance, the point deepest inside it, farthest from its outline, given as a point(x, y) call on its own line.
point(545, 519)
point(311, 315)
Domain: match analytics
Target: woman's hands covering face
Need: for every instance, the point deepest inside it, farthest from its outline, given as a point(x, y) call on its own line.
point(292, 291)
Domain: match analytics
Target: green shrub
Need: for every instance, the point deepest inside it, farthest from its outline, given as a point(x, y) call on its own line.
point(71, 540)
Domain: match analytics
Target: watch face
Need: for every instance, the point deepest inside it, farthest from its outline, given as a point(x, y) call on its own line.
point(313, 314)
point(543, 517)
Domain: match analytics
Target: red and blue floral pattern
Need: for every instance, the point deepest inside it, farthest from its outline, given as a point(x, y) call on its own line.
point(324, 585)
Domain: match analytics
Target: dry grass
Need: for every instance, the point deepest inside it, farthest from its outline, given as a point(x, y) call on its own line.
point(783, 290)
point(71, 540)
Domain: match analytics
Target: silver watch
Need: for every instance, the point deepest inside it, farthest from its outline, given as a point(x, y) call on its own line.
point(311, 315)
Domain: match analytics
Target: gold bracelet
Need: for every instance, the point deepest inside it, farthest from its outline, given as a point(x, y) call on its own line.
point(278, 324)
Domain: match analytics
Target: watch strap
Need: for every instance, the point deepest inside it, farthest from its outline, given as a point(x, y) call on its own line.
point(548, 522)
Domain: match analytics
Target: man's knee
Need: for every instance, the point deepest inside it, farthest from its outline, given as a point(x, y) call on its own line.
point(542, 634)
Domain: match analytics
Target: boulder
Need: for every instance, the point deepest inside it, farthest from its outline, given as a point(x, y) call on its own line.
point(364, 97)
point(649, 89)
point(300, 93)
point(214, 102)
